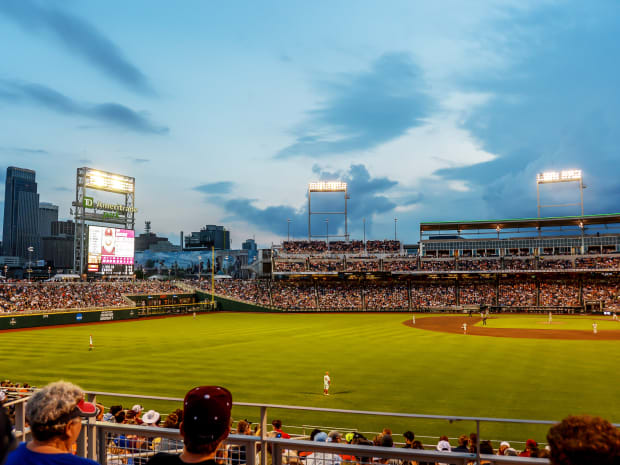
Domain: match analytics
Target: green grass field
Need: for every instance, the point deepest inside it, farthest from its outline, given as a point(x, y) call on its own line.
point(559, 322)
point(376, 363)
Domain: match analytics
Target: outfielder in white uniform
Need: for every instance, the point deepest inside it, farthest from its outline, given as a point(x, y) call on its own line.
point(326, 382)
point(90, 343)
point(594, 327)
point(464, 328)
point(413, 318)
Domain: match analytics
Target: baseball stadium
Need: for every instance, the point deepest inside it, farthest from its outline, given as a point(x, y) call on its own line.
point(490, 329)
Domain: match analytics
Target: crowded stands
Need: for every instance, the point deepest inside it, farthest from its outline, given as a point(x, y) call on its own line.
point(23, 296)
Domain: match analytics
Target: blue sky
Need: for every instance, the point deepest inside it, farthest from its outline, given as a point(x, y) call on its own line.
point(224, 112)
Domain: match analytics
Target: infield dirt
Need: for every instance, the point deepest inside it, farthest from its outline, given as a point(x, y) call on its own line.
point(454, 325)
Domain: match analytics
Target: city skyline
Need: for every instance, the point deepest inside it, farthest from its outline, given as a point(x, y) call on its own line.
point(224, 113)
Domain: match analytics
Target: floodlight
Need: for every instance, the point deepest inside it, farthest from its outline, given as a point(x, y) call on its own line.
point(109, 182)
point(549, 177)
point(327, 186)
point(558, 176)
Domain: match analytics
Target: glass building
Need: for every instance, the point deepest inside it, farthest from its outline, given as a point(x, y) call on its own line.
point(21, 214)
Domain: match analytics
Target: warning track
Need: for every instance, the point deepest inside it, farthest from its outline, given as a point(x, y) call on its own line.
point(453, 324)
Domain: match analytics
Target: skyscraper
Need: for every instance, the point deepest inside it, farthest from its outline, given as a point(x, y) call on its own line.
point(21, 214)
point(48, 213)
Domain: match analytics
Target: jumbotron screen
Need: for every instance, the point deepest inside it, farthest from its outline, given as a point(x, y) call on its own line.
point(110, 250)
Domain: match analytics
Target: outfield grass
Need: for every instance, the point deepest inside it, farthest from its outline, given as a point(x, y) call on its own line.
point(559, 322)
point(375, 362)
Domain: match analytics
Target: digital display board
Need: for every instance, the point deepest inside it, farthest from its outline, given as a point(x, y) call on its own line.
point(110, 250)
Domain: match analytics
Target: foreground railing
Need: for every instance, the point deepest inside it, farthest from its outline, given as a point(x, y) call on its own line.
point(111, 443)
point(121, 443)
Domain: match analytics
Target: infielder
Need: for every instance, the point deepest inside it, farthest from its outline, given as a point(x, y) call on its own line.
point(550, 317)
point(614, 317)
point(594, 327)
point(413, 318)
point(326, 382)
point(464, 328)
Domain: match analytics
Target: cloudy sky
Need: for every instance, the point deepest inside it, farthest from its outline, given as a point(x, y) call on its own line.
point(224, 111)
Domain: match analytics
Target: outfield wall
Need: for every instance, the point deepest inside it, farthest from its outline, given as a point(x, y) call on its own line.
point(232, 305)
point(35, 320)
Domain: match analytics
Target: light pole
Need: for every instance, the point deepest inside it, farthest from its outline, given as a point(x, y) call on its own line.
point(327, 232)
point(49, 273)
point(395, 220)
point(288, 230)
point(30, 250)
point(199, 266)
point(364, 235)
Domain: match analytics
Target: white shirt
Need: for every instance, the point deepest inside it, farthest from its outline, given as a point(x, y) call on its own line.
point(326, 381)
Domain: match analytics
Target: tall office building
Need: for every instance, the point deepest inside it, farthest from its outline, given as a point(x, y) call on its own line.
point(21, 214)
point(48, 213)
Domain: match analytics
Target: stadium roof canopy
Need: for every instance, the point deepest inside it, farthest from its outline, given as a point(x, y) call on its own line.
point(520, 223)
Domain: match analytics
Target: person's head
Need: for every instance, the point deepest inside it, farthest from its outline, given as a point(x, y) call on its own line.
point(463, 440)
point(502, 447)
point(120, 417)
point(314, 432)
point(409, 436)
point(277, 424)
point(387, 431)
point(443, 444)
point(417, 445)
point(171, 421)
point(7, 442)
point(532, 447)
point(386, 440)
point(582, 439)
point(206, 418)
point(243, 427)
point(320, 437)
point(334, 436)
point(54, 412)
point(115, 409)
point(486, 447)
point(151, 418)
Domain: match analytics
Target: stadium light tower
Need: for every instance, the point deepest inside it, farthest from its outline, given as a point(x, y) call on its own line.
point(326, 187)
point(552, 177)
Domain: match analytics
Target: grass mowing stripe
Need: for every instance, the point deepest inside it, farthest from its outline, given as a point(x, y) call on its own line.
point(376, 363)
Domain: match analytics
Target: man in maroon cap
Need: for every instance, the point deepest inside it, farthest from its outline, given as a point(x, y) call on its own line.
point(206, 423)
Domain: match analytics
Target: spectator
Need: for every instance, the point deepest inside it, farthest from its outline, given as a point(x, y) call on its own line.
point(277, 427)
point(531, 449)
point(151, 418)
point(486, 448)
point(444, 446)
point(53, 414)
point(322, 458)
point(7, 442)
point(462, 447)
point(584, 440)
point(418, 445)
point(504, 445)
point(205, 425)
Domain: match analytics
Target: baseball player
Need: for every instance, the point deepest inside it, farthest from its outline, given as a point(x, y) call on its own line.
point(413, 318)
point(594, 327)
point(550, 317)
point(326, 382)
point(614, 317)
point(464, 328)
point(91, 346)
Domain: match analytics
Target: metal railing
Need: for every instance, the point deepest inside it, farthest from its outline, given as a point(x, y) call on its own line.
point(97, 439)
point(117, 443)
